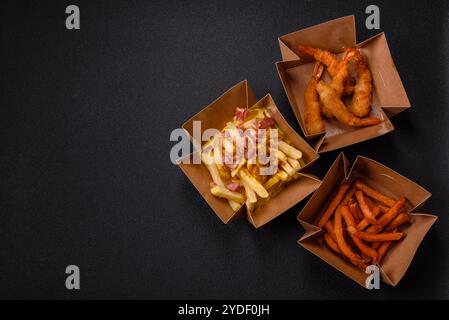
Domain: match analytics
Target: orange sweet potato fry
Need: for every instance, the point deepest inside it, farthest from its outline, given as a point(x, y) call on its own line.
point(333, 205)
point(355, 214)
point(384, 209)
point(360, 214)
point(383, 249)
point(331, 243)
point(375, 194)
point(364, 207)
point(399, 220)
point(362, 225)
point(370, 203)
point(363, 247)
point(376, 245)
point(343, 245)
point(375, 237)
point(329, 226)
point(349, 194)
point(387, 217)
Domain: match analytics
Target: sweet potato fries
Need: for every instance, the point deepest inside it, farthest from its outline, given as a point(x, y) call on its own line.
point(360, 223)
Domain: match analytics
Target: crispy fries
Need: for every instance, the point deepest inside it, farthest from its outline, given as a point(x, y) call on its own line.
point(236, 156)
point(354, 221)
point(375, 194)
point(399, 220)
point(329, 226)
point(349, 194)
point(331, 242)
point(354, 211)
point(333, 205)
point(364, 207)
point(362, 225)
point(342, 244)
point(383, 249)
point(387, 217)
point(363, 247)
point(225, 193)
point(375, 237)
point(289, 150)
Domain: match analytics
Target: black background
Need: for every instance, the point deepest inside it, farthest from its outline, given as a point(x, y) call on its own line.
point(86, 177)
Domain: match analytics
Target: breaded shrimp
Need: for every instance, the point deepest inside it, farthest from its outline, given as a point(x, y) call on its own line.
point(341, 76)
point(335, 106)
point(312, 115)
point(361, 101)
point(330, 60)
point(327, 58)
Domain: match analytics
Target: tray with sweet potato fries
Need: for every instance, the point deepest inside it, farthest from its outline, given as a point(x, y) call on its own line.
point(365, 215)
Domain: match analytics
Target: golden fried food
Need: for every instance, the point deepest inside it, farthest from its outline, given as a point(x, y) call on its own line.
point(340, 79)
point(240, 180)
point(327, 58)
point(333, 105)
point(361, 100)
point(312, 113)
point(330, 60)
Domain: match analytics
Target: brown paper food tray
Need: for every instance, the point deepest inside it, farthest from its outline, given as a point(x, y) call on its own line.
point(398, 258)
point(389, 96)
point(216, 115)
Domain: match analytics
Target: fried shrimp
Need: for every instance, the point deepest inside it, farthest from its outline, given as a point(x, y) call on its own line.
point(361, 100)
point(333, 105)
point(327, 58)
point(332, 63)
point(341, 77)
point(312, 114)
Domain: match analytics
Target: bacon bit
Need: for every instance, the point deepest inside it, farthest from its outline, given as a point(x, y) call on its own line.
point(266, 123)
point(233, 186)
point(240, 114)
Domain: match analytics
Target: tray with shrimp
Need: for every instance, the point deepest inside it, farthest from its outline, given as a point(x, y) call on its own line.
point(342, 92)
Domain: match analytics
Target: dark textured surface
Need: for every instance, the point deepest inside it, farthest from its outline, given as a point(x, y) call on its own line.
point(85, 173)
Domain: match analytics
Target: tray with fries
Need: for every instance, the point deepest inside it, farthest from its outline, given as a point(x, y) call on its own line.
point(365, 215)
point(342, 92)
point(234, 179)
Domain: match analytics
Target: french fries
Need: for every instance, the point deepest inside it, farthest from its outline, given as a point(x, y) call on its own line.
point(333, 205)
point(364, 207)
point(245, 181)
point(342, 244)
point(289, 150)
point(225, 193)
point(361, 223)
point(375, 237)
point(374, 194)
